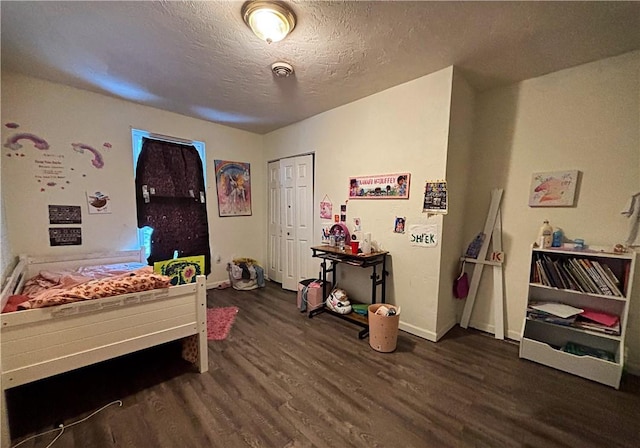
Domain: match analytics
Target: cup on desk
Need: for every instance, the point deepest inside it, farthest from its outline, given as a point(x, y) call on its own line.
point(354, 246)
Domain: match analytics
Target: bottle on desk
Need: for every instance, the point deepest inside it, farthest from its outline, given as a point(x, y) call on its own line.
point(341, 239)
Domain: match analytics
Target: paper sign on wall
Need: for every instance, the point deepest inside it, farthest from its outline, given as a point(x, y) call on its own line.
point(65, 236)
point(423, 235)
point(65, 214)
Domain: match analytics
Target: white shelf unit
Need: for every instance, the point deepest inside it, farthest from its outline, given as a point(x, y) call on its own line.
point(542, 341)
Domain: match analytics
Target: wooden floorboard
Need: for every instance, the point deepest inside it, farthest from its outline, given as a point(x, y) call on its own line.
point(283, 380)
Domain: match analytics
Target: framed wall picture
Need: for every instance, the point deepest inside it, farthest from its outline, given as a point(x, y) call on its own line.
point(233, 183)
point(553, 189)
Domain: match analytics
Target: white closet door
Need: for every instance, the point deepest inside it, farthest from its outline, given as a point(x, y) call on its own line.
point(304, 216)
point(288, 215)
point(274, 264)
point(296, 220)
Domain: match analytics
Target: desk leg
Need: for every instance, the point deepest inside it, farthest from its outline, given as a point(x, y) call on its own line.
point(384, 280)
point(374, 285)
point(332, 269)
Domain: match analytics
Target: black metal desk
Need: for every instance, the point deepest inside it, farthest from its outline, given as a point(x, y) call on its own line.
point(335, 256)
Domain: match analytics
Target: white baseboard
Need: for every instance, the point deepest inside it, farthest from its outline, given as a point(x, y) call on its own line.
point(216, 285)
point(417, 331)
point(633, 368)
point(442, 331)
point(491, 329)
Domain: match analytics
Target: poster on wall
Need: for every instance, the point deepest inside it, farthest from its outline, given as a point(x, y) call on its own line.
point(435, 198)
point(555, 189)
point(423, 235)
point(383, 186)
point(233, 183)
point(325, 237)
point(326, 208)
point(65, 214)
point(98, 202)
point(65, 236)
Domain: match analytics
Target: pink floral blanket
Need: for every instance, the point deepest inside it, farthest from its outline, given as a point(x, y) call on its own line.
point(59, 288)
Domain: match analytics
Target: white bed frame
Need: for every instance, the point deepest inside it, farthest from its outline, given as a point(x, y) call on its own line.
point(39, 343)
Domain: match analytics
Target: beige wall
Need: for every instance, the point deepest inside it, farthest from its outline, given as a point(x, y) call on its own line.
point(458, 166)
point(402, 129)
point(585, 118)
point(6, 259)
point(63, 115)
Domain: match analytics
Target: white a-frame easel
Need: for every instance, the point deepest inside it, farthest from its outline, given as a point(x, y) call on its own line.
point(493, 235)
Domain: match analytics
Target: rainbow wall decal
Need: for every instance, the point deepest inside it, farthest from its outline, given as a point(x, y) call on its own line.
point(13, 142)
point(97, 160)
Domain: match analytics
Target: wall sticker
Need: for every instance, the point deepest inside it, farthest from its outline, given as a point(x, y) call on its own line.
point(97, 161)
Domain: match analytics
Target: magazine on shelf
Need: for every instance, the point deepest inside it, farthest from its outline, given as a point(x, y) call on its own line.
point(583, 350)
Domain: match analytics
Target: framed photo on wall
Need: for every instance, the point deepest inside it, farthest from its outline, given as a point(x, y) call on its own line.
point(233, 183)
point(553, 189)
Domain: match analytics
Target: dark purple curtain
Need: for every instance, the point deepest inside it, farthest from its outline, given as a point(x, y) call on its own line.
point(170, 198)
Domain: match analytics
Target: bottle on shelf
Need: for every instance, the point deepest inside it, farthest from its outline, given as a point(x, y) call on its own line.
point(557, 238)
point(545, 236)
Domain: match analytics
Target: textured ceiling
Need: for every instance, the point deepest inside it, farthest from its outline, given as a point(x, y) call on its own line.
point(199, 59)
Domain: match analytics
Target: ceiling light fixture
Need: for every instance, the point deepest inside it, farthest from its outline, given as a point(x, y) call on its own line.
point(271, 21)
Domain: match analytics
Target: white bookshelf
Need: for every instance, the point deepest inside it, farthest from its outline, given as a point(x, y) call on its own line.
point(543, 342)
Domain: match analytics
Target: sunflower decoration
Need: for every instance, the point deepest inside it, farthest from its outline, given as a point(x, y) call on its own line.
point(182, 272)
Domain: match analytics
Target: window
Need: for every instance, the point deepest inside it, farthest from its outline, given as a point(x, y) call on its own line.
point(144, 234)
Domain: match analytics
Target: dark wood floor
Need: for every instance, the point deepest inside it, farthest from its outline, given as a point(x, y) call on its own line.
point(283, 380)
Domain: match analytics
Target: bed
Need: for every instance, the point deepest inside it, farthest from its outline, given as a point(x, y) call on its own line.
point(38, 343)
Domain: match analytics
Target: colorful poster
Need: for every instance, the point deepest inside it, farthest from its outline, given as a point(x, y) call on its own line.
point(181, 270)
point(384, 186)
point(233, 182)
point(326, 208)
point(435, 198)
point(326, 233)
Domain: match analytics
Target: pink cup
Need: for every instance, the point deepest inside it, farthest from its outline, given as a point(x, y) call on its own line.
point(354, 247)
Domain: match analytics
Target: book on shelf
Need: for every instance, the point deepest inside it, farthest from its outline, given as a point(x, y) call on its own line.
point(584, 324)
point(583, 350)
point(589, 282)
point(566, 315)
point(577, 274)
point(550, 318)
point(591, 270)
point(610, 274)
point(575, 282)
point(606, 278)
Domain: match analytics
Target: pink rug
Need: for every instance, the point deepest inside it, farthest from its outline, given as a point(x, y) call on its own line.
point(219, 322)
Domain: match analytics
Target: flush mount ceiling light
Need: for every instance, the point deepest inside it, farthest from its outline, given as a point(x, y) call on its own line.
point(271, 21)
